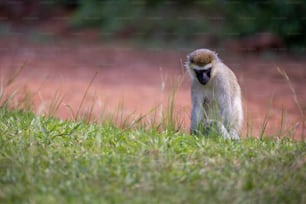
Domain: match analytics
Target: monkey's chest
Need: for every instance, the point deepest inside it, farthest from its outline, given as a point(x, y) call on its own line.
point(210, 107)
point(209, 103)
point(208, 98)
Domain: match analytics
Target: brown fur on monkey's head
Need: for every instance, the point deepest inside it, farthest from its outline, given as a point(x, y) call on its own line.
point(200, 65)
point(202, 57)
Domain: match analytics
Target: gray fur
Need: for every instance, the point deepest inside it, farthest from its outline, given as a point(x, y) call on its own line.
point(216, 104)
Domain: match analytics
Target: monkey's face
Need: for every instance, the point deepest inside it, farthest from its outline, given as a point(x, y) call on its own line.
point(203, 75)
point(200, 65)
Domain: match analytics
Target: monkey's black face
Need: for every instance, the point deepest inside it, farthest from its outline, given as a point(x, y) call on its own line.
point(203, 75)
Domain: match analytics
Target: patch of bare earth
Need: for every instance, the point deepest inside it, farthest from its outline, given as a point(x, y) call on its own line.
point(59, 73)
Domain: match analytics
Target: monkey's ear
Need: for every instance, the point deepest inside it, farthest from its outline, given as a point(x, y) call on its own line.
point(186, 64)
point(216, 55)
point(188, 57)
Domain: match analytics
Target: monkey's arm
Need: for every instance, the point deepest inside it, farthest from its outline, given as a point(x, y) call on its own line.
point(226, 124)
point(224, 106)
point(197, 113)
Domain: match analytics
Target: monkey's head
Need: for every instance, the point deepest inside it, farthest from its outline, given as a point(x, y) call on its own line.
point(200, 64)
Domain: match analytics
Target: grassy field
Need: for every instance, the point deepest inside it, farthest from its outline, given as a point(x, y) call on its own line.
point(46, 160)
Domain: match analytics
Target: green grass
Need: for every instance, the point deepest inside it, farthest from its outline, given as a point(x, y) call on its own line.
point(46, 160)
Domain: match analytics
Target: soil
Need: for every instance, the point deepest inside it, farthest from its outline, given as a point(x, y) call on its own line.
point(60, 72)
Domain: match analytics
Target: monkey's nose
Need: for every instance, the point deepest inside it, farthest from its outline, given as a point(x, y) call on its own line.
point(205, 79)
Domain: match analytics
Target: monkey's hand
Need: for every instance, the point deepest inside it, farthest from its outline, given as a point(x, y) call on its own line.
point(234, 135)
point(221, 130)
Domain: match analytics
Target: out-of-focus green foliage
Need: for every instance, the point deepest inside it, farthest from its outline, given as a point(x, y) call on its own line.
point(171, 20)
point(182, 20)
point(284, 18)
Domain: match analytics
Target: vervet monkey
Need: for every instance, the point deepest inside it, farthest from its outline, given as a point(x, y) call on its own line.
point(216, 95)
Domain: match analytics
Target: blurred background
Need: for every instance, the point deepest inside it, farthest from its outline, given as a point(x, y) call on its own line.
point(247, 25)
point(134, 50)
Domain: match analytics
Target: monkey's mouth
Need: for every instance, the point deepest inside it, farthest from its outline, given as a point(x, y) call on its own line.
point(203, 75)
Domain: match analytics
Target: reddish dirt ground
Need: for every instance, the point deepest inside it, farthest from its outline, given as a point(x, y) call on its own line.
point(60, 72)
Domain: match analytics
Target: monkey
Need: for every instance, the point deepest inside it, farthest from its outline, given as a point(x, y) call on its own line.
point(215, 95)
